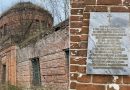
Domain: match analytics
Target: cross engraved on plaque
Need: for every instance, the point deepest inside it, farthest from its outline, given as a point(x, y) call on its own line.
point(109, 44)
point(109, 18)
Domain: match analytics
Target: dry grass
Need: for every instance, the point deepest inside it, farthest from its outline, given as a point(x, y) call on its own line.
point(9, 87)
point(12, 87)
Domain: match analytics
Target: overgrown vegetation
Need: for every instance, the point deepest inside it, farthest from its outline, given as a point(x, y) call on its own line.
point(12, 87)
point(9, 87)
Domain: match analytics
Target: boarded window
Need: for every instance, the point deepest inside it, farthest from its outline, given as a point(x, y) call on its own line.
point(36, 80)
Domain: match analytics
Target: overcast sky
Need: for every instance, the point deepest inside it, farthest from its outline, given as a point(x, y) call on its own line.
point(56, 7)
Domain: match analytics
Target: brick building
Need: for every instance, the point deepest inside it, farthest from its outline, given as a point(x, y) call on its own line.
point(33, 52)
point(79, 28)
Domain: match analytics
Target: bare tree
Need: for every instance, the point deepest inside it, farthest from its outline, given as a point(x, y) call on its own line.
point(58, 8)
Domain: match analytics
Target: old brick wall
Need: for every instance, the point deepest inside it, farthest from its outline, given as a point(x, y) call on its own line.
point(8, 58)
point(53, 62)
point(79, 24)
point(21, 21)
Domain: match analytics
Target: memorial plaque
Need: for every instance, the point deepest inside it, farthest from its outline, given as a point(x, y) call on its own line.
point(109, 43)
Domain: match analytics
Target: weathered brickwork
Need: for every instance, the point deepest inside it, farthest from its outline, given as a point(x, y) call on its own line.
point(8, 58)
point(79, 29)
point(53, 62)
point(23, 20)
point(28, 36)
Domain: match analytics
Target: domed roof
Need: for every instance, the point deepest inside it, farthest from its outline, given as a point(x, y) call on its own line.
point(24, 6)
point(25, 22)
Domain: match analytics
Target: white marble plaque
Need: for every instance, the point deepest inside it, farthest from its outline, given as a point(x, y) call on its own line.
point(109, 43)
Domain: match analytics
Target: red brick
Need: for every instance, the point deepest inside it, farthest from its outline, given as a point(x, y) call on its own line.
point(74, 46)
point(76, 11)
point(52, 64)
point(75, 31)
point(108, 88)
point(86, 15)
point(73, 68)
point(85, 22)
point(85, 30)
point(80, 61)
point(76, 18)
point(96, 9)
point(55, 79)
point(72, 85)
point(77, 5)
point(76, 1)
point(89, 87)
point(124, 87)
point(109, 2)
point(119, 80)
point(119, 9)
point(82, 53)
point(84, 37)
point(126, 79)
point(73, 61)
point(83, 45)
point(105, 79)
point(126, 2)
point(75, 39)
point(84, 78)
point(82, 69)
point(73, 76)
point(90, 2)
point(76, 24)
point(73, 52)
point(53, 71)
point(102, 79)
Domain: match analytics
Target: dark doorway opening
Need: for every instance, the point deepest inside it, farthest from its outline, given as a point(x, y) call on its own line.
point(36, 80)
point(3, 74)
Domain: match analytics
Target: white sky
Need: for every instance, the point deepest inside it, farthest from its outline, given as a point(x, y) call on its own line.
point(55, 7)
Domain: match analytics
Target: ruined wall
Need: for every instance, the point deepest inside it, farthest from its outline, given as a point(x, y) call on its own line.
point(8, 58)
point(21, 21)
point(17, 24)
point(79, 24)
point(52, 58)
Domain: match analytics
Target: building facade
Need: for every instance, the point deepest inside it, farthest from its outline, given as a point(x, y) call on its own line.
point(79, 29)
point(33, 51)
